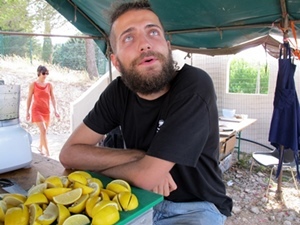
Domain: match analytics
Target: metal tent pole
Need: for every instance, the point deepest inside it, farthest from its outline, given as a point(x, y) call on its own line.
point(285, 26)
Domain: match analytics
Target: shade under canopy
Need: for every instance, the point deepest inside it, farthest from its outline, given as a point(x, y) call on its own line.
point(214, 27)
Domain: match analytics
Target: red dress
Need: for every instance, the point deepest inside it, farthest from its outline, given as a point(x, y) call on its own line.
point(40, 110)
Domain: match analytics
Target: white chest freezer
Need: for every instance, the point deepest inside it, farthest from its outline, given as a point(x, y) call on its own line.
point(15, 142)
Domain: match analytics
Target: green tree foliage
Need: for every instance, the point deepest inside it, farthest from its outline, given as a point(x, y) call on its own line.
point(248, 78)
point(27, 16)
point(264, 79)
point(14, 16)
point(35, 16)
point(47, 50)
point(71, 54)
point(14, 45)
point(101, 62)
point(45, 19)
point(19, 45)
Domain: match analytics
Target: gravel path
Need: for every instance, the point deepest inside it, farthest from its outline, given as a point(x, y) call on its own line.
point(251, 205)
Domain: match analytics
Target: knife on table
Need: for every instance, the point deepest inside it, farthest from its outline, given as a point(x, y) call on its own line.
point(11, 186)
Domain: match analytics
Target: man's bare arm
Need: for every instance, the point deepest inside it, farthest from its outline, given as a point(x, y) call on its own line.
point(166, 186)
point(149, 173)
point(81, 152)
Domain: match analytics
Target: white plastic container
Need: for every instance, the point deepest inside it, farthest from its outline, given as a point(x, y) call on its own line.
point(15, 142)
point(15, 146)
point(145, 219)
point(228, 113)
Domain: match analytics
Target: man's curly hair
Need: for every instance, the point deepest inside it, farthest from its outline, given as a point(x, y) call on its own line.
point(119, 8)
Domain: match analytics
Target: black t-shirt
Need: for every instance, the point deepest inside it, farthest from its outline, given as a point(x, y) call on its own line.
point(180, 126)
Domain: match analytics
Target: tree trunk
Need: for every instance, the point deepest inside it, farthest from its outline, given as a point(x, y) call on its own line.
point(91, 64)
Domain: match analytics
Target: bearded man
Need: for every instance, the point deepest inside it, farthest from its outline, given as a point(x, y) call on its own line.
point(169, 123)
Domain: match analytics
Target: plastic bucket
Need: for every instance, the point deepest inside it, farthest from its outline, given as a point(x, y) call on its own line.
point(9, 102)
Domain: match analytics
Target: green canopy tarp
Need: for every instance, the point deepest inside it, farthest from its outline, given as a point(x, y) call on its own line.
point(213, 27)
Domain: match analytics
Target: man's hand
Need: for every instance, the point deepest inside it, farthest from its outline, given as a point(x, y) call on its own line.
point(166, 186)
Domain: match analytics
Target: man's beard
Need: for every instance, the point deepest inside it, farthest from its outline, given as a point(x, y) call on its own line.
point(154, 80)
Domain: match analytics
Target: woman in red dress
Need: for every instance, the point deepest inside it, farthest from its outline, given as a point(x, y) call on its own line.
point(41, 92)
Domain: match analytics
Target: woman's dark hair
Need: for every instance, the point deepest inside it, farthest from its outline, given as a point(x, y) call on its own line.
point(41, 69)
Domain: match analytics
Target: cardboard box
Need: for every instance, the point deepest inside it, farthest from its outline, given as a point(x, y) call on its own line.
point(227, 146)
point(226, 163)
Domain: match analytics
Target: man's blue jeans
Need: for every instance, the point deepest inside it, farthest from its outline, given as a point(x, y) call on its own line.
point(187, 213)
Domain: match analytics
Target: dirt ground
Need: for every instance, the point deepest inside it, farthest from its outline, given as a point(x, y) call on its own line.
point(68, 86)
point(251, 205)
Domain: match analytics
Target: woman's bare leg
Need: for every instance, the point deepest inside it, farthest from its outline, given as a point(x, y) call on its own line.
point(43, 137)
